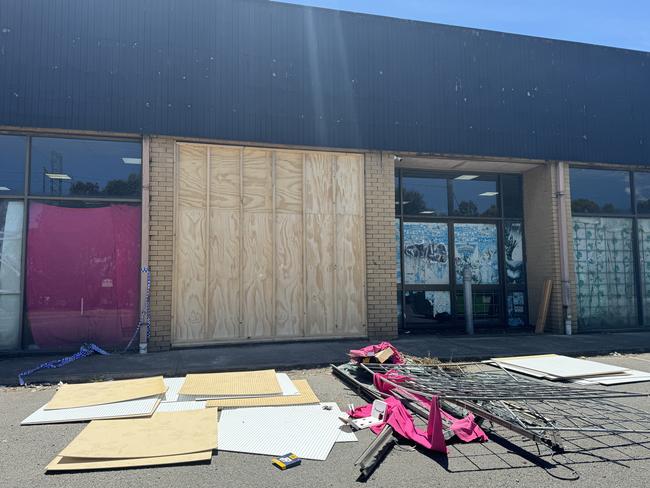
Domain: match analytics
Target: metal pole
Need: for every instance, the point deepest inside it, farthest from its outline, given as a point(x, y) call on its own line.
point(564, 247)
point(469, 309)
point(144, 240)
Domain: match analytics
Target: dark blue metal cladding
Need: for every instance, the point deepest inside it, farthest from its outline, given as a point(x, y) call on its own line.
point(251, 70)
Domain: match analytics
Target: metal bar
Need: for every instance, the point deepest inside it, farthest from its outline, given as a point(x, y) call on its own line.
point(376, 452)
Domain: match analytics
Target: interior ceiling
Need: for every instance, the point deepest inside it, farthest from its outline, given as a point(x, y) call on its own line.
point(450, 164)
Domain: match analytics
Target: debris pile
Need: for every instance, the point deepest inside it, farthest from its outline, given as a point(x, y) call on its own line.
point(163, 421)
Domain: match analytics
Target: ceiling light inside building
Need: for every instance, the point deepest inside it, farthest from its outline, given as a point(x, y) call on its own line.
point(427, 212)
point(132, 160)
point(488, 194)
point(4, 188)
point(58, 176)
point(466, 177)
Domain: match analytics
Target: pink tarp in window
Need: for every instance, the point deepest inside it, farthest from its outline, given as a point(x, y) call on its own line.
point(82, 281)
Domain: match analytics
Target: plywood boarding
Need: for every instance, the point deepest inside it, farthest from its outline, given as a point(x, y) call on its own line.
point(88, 394)
point(81, 464)
point(257, 258)
point(239, 383)
point(306, 396)
point(163, 434)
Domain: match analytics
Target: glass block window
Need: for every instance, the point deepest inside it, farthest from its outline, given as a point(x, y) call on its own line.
point(604, 266)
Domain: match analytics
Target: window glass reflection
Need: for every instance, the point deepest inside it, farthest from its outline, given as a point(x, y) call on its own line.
point(12, 165)
point(512, 196)
point(600, 191)
point(424, 196)
point(642, 190)
point(11, 251)
point(84, 167)
point(475, 198)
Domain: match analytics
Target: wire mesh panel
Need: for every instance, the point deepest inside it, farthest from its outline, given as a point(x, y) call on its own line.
point(644, 254)
point(604, 267)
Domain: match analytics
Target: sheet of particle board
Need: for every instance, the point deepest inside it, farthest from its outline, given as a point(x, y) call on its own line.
point(320, 243)
point(289, 291)
point(61, 463)
point(240, 383)
point(318, 190)
point(560, 366)
point(88, 394)
point(306, 396)
point(225, 178)
point(348, 183)
point(309, 431)
point(258, 180)
point(162, 434)
point(224, 275)
point(350, 275)
point(288, 182)
point(143, 407)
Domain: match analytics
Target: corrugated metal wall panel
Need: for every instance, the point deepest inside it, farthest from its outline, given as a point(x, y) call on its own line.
point(251, 70)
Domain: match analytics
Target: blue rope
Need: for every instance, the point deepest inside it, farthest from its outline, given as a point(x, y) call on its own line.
point(90, 349)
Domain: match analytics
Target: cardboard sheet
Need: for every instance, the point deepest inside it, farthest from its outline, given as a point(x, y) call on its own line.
point(162, 434)
point(305, 396)
point(238, 384)
point(88, 394)
point(142, 407)
point(80, 464)
point(562, 367)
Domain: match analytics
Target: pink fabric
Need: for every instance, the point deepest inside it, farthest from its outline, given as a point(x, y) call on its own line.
point(396, 358)
point(466, 429)
point(402, 423)
point(89, 254)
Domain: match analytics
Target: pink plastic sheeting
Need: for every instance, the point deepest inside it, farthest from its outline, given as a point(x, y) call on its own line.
point(396, 358)
point(82, 280)
point(466, 429)
point(402, 423)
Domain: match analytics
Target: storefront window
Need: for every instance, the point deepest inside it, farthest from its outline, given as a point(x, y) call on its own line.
point(11, 245)
point(604, 266)
point(642, 190)
point(596, 191)
point(424, 196)
point(476, 247)
point(512, 196)
point(513, 242)
point(12, 165)
point(82, 274)
point(85, 168)
point(475, 197)
point(426, 253)
point(427, 308)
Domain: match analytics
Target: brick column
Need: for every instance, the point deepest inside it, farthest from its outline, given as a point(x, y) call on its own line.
point(543, 243)
point(161, 238)
point(380, 246)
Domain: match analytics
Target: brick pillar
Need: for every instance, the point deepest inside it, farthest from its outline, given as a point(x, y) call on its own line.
point(543, 243)
point(380, 246)
point(161, 154)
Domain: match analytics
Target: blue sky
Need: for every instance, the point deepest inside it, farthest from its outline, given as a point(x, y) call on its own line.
point(619, 23)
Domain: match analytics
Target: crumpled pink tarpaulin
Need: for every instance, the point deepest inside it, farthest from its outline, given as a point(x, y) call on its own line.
point(396, 358)
point(402, 423)
point(466, 429)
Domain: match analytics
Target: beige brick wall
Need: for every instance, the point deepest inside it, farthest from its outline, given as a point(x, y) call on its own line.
point(161, 161)
point(380, 246)
point(543, 243)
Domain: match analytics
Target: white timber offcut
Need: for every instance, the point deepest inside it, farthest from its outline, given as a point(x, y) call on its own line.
point(269, 244)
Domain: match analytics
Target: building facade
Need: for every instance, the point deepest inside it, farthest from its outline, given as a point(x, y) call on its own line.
point(293, 173)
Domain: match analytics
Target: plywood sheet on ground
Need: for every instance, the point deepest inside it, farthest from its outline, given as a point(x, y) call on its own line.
point(560, 366)
point(61, 463)
point(241, 383)
point(162, 434)
point(306, 396)
point(142, 407)
point(88, 394)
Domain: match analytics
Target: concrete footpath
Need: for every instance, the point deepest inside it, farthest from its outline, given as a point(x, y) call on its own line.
point(298, 355)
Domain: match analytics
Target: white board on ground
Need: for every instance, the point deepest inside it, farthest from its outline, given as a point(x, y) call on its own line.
point(309, 431)
point(180, 406)
point(173, 387)
point(131, 408)
point(629, 376)
point(562, 367)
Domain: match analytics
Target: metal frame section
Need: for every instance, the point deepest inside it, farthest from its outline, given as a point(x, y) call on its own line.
point(26, 198)
point(376, 452)
point(635, 216)
point(502, 288)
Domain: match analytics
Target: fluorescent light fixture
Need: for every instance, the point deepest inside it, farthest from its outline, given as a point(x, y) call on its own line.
point(132, 160)
point(58, 176)
point(427, 212)
point(466, 177)
point(4, 188)
point(488, 194)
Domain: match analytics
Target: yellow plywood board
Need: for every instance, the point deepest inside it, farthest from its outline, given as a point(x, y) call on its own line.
point(88, 394)
point(306, 397)
point(241, 383)
point(61, 463)
point(163, 434)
